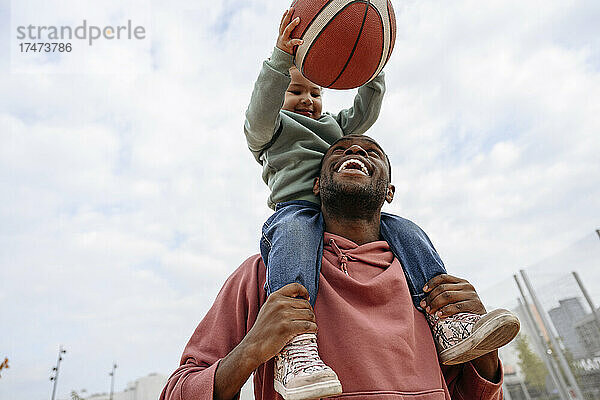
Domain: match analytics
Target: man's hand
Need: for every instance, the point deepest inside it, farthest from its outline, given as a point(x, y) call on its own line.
point(286, 314)
point(284, 42)
point(448, 295)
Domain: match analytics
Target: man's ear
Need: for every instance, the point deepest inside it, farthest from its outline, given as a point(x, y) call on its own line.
point(316, 187)
point(389, 196)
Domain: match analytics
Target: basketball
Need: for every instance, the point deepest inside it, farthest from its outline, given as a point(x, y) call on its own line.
point(346, 42)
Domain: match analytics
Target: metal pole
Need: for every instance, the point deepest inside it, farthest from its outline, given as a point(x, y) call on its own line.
point(524, 389)
point(54, 378)
point(505, 392)
point(588, 298)
point(561, 358)
point(112, 381)
point(540, 343)
point(542, 347)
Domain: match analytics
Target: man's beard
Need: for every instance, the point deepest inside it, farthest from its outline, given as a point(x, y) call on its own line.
point(352, 201)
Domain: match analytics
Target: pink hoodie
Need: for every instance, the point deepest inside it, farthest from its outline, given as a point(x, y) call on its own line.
point(369, 332)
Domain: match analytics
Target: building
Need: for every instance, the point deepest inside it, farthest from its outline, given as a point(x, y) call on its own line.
point(146, 388)
point(150, 388)
point(589, 333)
point(564, 318)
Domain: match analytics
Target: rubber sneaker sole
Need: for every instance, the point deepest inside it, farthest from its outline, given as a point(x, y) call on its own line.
point(493, 331)
point(317, 390)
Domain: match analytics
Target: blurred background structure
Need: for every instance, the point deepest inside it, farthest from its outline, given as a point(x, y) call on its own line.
point(146, 388)
point(557, 353)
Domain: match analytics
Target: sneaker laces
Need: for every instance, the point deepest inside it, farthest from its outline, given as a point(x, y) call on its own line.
point(304, 356)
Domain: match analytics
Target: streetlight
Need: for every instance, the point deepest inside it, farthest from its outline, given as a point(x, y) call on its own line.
point(112, 381)
point(55, 370)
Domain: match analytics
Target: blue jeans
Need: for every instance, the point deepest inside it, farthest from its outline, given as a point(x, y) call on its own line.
point(292, 248)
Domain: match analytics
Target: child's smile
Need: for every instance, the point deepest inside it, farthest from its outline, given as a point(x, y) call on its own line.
point(302, 96)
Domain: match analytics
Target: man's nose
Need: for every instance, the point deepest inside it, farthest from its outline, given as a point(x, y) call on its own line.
point(355, 149)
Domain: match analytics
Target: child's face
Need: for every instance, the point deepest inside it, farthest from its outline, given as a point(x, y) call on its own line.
point(302, 96)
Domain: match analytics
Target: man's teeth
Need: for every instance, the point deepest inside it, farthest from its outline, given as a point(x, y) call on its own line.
point(362, 166)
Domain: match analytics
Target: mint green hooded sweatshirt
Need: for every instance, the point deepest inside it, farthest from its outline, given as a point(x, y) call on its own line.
point(290, 146)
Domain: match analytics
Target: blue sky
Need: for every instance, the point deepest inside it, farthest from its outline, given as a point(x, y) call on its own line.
point(127, 193)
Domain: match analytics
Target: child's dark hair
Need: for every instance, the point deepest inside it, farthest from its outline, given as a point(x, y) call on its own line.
point(368, 138)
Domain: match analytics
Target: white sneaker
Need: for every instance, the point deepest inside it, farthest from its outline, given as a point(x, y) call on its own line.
point(300, 373)
point(466, 336)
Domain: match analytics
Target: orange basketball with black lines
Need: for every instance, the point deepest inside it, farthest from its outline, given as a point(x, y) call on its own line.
point(346, 42)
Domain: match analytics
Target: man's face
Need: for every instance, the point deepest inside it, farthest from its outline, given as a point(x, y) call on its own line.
point(302, 96)
point(354, 175)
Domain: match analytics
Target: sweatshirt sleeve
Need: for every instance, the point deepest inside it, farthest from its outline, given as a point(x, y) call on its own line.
point(262, 116)
point(367, 103)
point(465, 383)
point(224, 326)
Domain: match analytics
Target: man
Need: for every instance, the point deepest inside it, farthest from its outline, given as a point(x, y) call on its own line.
point(379, 344)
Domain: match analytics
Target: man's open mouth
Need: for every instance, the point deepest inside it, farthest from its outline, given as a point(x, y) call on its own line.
point(355, 165)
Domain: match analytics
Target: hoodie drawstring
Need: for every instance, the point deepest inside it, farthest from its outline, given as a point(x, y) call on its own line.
point(342, 257)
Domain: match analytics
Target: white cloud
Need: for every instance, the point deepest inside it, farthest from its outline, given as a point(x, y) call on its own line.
point(127, 198)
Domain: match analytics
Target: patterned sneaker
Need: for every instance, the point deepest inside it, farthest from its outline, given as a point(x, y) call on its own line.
point(301, 374)
point(465, 336)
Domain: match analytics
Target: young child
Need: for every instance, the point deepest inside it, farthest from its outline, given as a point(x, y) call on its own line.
point(288, 134)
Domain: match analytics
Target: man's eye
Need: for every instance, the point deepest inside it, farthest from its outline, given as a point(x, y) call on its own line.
point(296, 92)
point(316, 95)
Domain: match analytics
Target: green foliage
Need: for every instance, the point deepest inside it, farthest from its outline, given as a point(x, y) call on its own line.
point(575, 368)
point(532, 366)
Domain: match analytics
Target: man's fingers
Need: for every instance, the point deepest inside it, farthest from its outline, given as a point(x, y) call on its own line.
point(300, 304)
point(446, 298)
point(448, 287)
point(448, 295)
point(441, 279)
point(302, 314)
point(293, 290)
point(294, 303)
point(300, 327)
point(470, 306)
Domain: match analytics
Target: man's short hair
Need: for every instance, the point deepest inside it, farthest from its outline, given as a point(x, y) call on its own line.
point(368, 138)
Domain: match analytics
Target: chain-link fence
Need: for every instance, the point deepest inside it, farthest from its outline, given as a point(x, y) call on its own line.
point(557, 353)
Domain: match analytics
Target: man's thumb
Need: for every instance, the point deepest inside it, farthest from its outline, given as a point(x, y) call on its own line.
point(294, 290)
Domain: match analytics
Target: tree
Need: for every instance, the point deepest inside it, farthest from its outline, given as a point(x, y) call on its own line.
point(531, 365)
point(4, 365)
point(573, 365)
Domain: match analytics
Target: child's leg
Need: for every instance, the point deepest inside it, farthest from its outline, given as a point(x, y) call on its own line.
point(292, 246)
point(416, 253)
point(460, 337)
